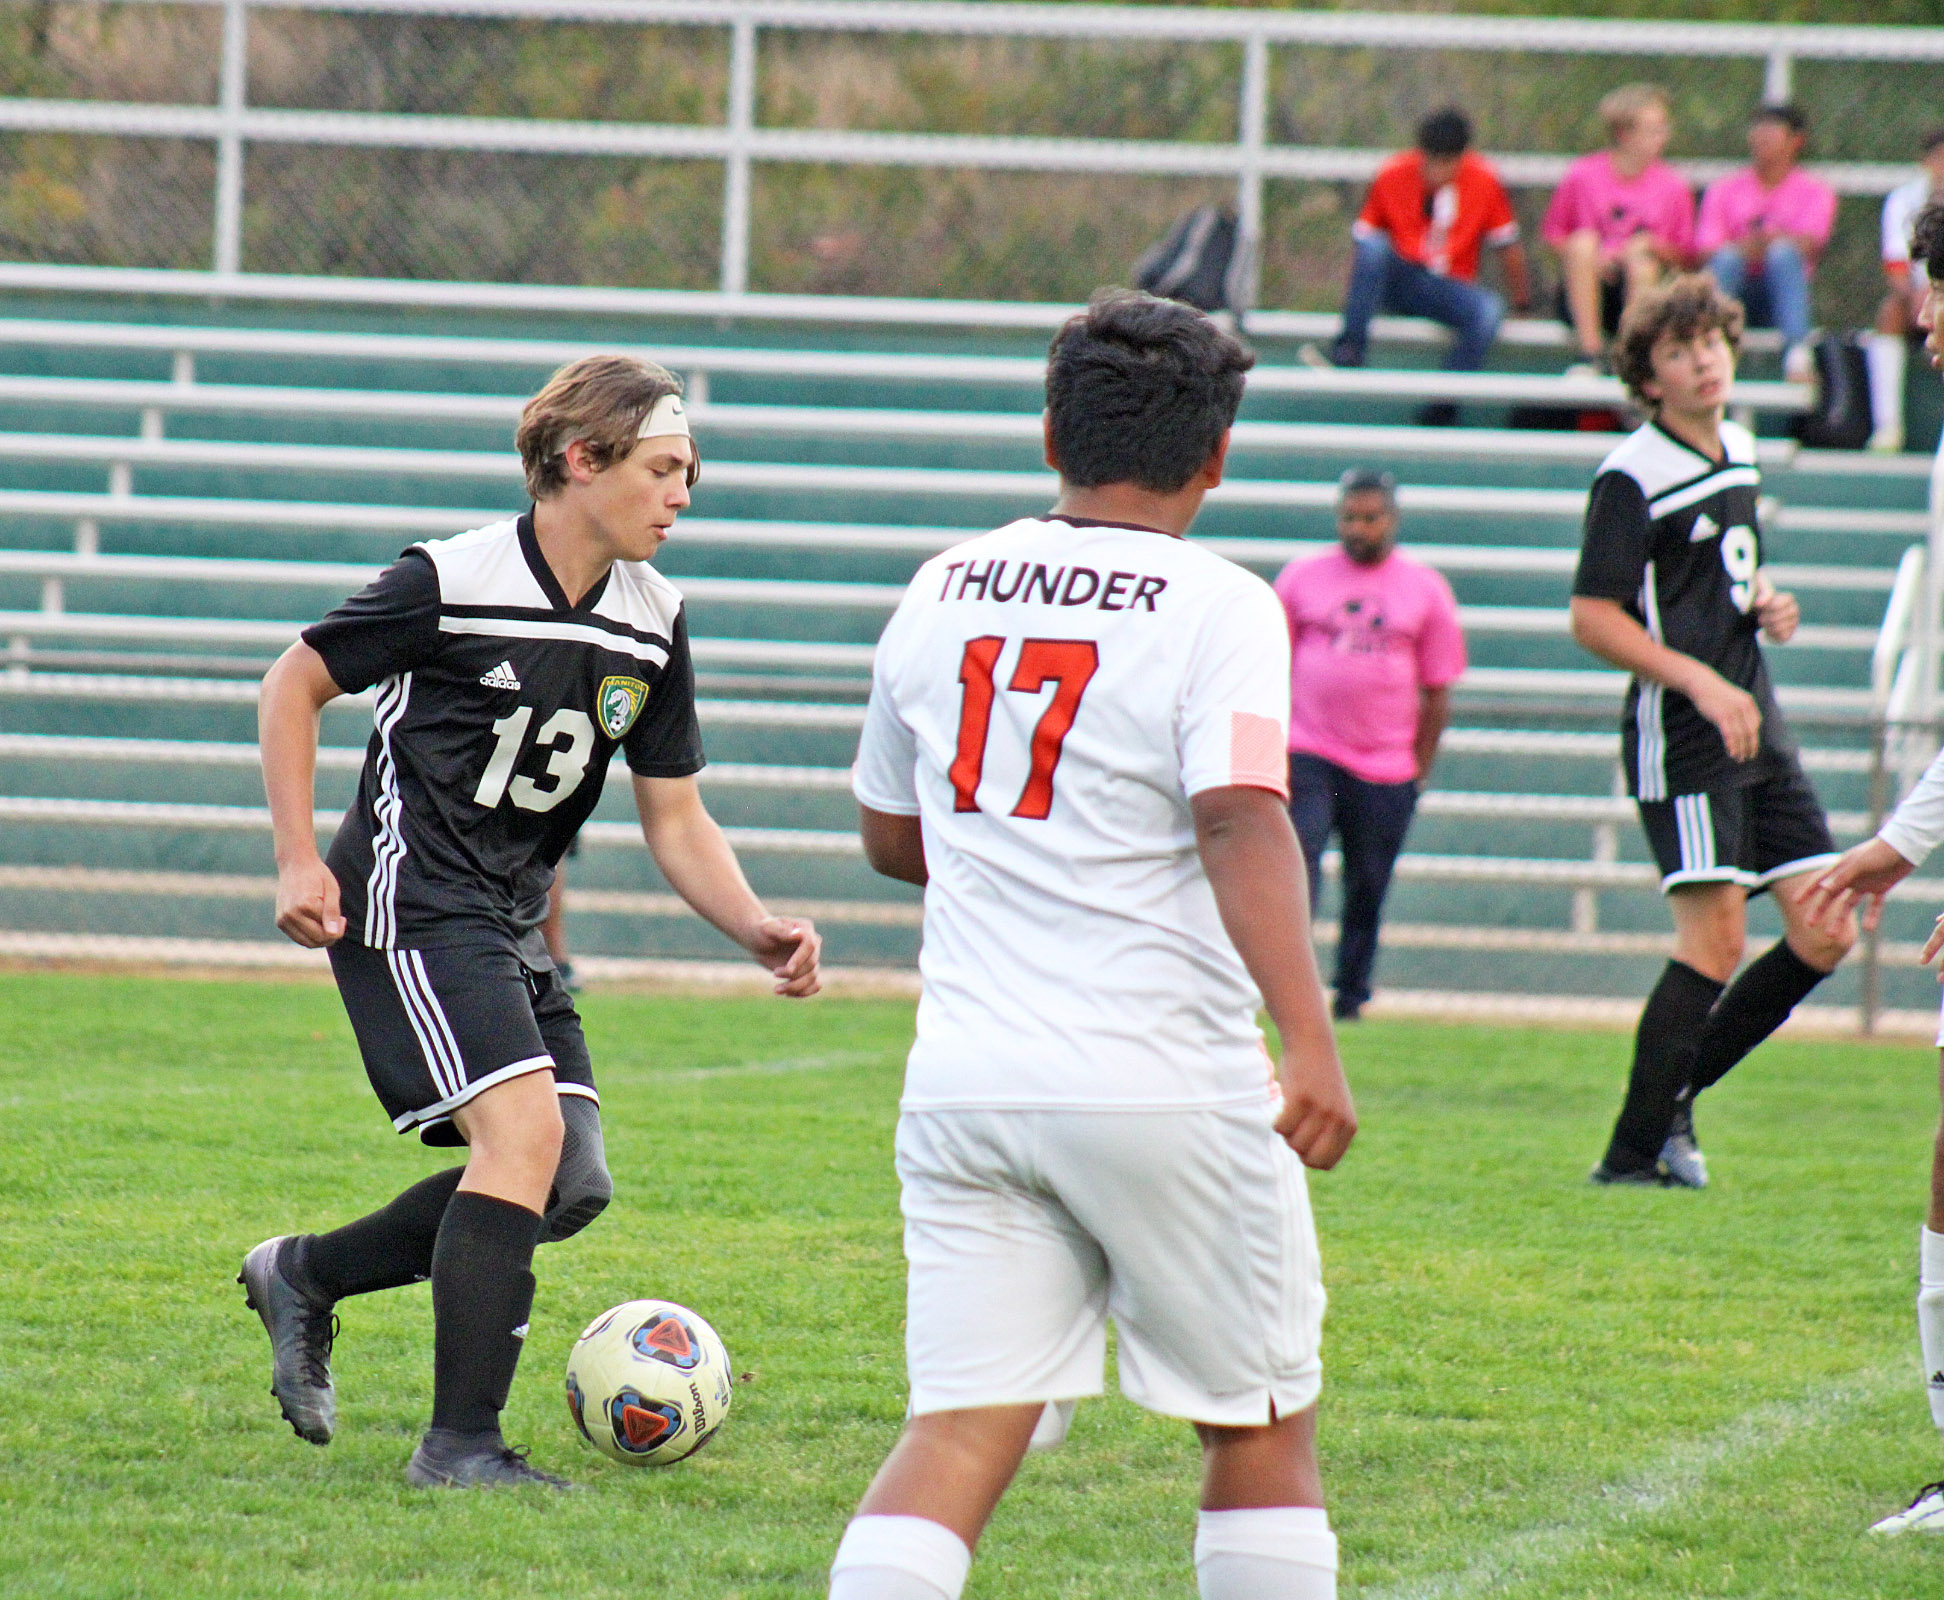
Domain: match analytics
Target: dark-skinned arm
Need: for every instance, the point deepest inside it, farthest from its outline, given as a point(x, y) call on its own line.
point(894, 845)
point(1255, 866)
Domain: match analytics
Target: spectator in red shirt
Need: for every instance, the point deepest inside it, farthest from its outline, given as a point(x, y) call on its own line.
point(1418, 239)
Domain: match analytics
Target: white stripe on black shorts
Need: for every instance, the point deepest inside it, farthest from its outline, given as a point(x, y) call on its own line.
point(439, 1026)
point(1752, 836)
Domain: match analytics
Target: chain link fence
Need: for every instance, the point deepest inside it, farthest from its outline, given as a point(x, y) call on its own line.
point(836, 228)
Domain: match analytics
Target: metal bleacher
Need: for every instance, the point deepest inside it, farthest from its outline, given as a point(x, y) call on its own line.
point(179, 492)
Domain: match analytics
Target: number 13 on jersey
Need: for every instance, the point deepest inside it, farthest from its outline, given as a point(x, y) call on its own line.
point(1068, 664)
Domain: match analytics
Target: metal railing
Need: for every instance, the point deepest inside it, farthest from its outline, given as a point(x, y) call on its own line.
point(1250, 158)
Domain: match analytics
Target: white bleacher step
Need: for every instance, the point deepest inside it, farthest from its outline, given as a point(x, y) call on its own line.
point(814, 309)
point(346, 576)
point(164, 398)
point(435, 522)
point(944, 482)
point(1534, 682)
point(1411, 866)
point(872, 366)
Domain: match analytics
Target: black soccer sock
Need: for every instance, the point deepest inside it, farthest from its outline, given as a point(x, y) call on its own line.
point(392, 1246)
point(482, 1294)
point(1670, 1024)
point(1760, 1001)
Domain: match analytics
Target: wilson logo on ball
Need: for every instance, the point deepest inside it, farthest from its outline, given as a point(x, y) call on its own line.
point(668, 1338)
point(640, 1424)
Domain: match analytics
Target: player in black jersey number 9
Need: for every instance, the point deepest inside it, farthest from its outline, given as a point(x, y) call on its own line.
point(509, 664)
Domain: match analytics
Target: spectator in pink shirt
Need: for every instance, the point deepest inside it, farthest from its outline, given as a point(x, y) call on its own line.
point(1620, 219)
point(1375, 648)
point(1763, 229)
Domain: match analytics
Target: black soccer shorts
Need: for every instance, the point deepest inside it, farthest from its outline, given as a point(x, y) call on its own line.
point(1752, 836)
point(439, 1026)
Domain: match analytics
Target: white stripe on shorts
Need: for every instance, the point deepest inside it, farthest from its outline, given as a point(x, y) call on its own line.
point(447, 1071)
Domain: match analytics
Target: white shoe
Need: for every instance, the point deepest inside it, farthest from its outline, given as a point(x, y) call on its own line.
point(1887, 441)
point(1924, 1514)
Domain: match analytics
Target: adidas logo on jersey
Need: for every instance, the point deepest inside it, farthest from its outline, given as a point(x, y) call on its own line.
point(501, 677)
point(1705, 527)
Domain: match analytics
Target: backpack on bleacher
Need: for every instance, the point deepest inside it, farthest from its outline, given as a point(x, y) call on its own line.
point(1199, 263)
point(1841, 420)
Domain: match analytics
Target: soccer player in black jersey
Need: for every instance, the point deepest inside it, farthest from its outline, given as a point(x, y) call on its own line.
point(1670, 587)
point(510, 664)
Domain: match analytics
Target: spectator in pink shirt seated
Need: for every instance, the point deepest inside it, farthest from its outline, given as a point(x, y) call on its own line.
point(1763, 229)
point(1375, 648)
point(1620, 219)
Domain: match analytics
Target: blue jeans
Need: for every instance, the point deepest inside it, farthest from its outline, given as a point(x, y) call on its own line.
point(1775, 297)
point(1382, 280)
point(1370, 820)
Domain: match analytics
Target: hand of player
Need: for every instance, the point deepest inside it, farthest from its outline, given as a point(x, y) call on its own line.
point(307, 904)
point(1776, 610)
point(790, 947)
point(1867, 872)
point(1733, 712)
point(1933, 944)
point(1318, 1119)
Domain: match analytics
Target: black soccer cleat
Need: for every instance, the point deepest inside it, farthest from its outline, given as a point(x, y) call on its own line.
point(448, 1460)
point(1654, 1177)
point(301, 1331)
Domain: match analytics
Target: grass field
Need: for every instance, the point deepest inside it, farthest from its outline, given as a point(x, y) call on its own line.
point(1532, 1389)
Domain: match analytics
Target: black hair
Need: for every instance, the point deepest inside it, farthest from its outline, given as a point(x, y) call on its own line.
point(1367, 480)
point(1445, 133)
point(1932, 139)
point(1786, 112)
point(1927, 239)
point(1141, 390)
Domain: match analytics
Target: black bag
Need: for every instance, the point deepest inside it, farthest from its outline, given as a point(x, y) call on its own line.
point(1841, 420)
point(1198, 263)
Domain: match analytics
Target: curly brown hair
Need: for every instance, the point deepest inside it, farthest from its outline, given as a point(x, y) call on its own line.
point(1681, 308)
point(599, 400)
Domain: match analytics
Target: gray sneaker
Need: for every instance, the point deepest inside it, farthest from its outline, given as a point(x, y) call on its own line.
point(448, 1460)
point(1686, 1166)
point(301, 1330)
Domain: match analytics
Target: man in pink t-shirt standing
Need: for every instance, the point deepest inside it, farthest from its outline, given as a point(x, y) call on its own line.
point(1375, 648)
point(1763, 229)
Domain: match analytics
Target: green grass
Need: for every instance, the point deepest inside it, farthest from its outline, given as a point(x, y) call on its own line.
point(1532, 1388)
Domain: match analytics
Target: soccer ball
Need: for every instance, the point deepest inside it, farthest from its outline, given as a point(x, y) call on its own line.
point(648, 1383)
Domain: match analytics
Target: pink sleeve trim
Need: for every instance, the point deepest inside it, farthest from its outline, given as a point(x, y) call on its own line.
point(1258, 753)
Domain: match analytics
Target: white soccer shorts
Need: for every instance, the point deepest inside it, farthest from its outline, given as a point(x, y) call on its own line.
point(1026, 1230)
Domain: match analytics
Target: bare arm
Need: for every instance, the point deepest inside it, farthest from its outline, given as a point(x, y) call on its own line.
point(295, 689)
point(1434, 712)
point(696, 860)
point(894, 845)
point(1249, 851)
point(1604, 628)
point(1518, 281)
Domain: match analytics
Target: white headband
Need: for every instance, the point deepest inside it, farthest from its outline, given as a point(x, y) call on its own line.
point(666, 416)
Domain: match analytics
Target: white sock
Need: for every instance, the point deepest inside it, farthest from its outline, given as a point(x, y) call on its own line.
point(1885, 353)
point(1930, 1317)
point(1276, 1553)
point(899, 1558)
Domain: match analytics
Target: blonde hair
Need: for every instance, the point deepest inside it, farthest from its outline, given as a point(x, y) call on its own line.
point(598, 400)
point(1620, 108)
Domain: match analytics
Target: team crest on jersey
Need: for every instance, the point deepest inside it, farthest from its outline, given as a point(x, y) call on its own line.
point(620, 701)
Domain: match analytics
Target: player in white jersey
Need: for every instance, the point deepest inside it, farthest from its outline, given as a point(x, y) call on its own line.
point(1076, 742)
point(1903, 294)
point(1869, 872)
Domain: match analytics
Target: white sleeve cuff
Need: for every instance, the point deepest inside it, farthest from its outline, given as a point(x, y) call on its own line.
point(1909, 844)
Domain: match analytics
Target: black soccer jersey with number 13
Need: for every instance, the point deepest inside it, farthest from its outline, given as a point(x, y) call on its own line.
point(498, 708)
point(1672, 535)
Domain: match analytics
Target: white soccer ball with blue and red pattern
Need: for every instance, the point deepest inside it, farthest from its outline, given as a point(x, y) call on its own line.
point(648, 1383)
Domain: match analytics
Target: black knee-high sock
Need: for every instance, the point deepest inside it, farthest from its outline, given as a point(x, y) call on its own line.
point(482, 1295)
point(1758, 1003)
point(392, 1246)
point(1670, 1024)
